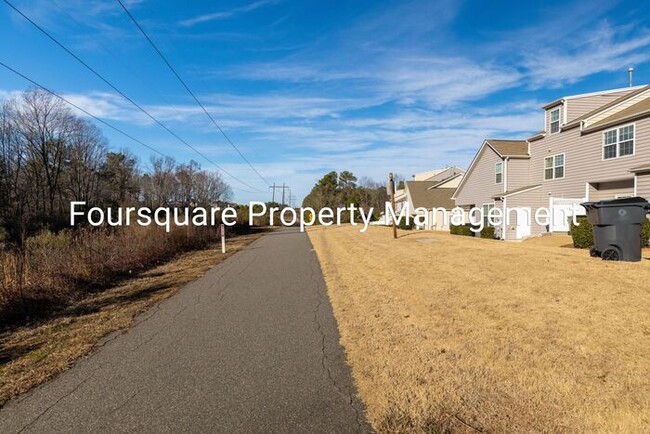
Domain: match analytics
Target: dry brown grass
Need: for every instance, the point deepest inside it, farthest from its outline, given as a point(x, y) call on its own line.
point(465, 335)
point(33, 354)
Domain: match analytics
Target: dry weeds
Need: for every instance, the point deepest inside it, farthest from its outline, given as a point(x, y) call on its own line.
point(466, 335)
point(31, 355)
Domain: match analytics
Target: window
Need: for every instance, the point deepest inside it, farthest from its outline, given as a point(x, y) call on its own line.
point(618, 142)
point(486, 210)
point(554, 120)
point(498, 172)
point(554, 167)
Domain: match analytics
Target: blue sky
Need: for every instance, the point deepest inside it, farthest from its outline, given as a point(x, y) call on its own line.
point(305, 87)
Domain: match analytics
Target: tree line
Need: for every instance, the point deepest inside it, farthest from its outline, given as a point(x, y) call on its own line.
point(342, 189)
point(49, 156)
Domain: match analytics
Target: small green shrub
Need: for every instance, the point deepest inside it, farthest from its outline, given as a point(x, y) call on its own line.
point(645, 233)
point(461, 230)
point(582, 234)
point(406, 227)
point(488, 232)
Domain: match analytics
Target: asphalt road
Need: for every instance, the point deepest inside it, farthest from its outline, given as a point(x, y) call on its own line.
point(251, 347)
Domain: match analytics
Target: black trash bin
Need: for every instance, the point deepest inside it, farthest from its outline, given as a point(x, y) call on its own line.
point(617, 227)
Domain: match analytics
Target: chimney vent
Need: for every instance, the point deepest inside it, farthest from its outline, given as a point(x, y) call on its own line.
point(630, 72)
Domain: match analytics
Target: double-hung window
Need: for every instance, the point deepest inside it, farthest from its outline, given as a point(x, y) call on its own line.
point(618, 142)
point(554, 167)
point(498, 172)
point(554, 120)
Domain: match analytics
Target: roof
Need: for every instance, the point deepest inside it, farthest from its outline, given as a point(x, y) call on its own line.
point(509, 148)
point(516, 191)
point(634, 111)
point(446, 180)
point(582, 95)
point(610, 104)
point(422, 196)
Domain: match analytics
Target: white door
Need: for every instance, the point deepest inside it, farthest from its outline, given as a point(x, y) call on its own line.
point(522, 229)
point(561, 210)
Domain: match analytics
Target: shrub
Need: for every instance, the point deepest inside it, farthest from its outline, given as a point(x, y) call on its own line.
point(461, 230)
point(645, 233)
point(406, 227)
point(487, 232)
point(582, 234)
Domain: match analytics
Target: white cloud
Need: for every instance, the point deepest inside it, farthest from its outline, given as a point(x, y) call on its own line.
point(224, 14)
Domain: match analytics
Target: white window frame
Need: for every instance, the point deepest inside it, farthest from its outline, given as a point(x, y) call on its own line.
point(486, 221)
point(554, 166)
point(618, 142)
point(499, 163)
point(551, 122)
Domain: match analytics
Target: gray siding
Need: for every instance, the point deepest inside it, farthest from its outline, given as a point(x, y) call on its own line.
point(609, 190)
point(479, 186)
point(518, 173)
point(583, 160)
point(577, 107)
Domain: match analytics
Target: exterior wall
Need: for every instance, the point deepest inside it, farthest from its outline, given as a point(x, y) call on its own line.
point(583, 160)
point(577, 107)
point(480, 186)
point(630, 102)
point(643, 185)
point(518, 173)
point(547, 121)
point(532, 199)
point(609, 190)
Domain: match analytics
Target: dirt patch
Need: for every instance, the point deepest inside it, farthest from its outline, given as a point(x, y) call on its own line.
point(470, 335)
point(33, 354)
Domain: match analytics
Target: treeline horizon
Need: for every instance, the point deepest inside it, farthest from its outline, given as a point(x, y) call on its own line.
point(49, 157)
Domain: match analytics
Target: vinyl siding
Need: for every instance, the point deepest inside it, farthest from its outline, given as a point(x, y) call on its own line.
point(630, 102)
point(547, 123)
point(530, 199)
point(577, 107)
point(609, 190)
point(643, 185)
point(518, 173)
point(479, 186)
point(583, 160)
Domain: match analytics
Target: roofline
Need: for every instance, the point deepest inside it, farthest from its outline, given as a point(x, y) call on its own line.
point(471, 165)
point(509, 155)
point(446, 180)
point(534, 187)
point(583, 95)
point(604, 126)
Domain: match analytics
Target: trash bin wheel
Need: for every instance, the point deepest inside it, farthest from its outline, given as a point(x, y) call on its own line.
point(611, 254)
point(594, 253)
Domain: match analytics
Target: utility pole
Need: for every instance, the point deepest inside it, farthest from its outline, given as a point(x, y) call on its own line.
point(283, 188)
point(391, 192)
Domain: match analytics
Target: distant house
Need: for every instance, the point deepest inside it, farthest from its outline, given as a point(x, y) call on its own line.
point(594, 146)
point(433, 190)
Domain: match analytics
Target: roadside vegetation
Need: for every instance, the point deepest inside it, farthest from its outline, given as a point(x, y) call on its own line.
point(455, 334)
point(50, 157)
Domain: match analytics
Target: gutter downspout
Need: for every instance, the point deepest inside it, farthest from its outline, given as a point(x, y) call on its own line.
point(503, 218)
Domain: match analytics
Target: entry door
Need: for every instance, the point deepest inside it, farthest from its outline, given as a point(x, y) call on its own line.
point(561, 210)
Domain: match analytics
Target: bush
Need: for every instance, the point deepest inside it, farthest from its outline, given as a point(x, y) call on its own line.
point(488, 232)
point(645, 233)
point(582, 234)
point(461, 230)
point(406, 227)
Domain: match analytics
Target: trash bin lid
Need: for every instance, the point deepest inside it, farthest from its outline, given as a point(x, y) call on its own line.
point(626, 201)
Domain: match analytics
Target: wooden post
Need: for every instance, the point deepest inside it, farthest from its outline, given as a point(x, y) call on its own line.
point(223, 238)
point(391, 192)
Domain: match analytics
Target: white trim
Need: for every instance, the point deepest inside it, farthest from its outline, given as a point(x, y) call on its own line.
point(608, 109)
point(521, 191)
point(554, 166)
point(550, 121)
point(505, 173)
point(602, 92)
point(566, 109)
point(504, 227)
point(471, 166)
point(586, 191)
point(497, 173)
point(635, 185)
point(618, 143)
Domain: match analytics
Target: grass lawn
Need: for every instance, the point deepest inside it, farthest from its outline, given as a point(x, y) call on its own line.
point(453, 333)
point(32, 354)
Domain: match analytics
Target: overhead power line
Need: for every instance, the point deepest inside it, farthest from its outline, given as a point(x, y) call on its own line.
point(187, 88)
point(123, 95)
point(81, 109)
